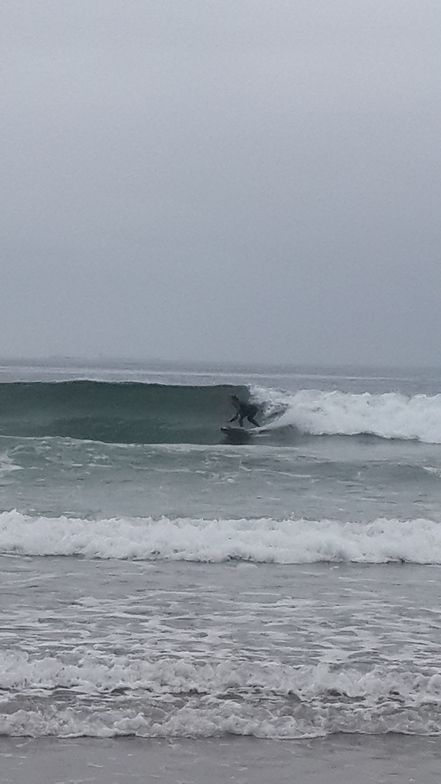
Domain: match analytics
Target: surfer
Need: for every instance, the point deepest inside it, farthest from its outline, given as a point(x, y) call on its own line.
point(244, 411)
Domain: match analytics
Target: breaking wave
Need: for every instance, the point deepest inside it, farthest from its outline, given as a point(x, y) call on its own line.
point(118, 695)
point(160, 413)
point(389, 416)
point(214, 541)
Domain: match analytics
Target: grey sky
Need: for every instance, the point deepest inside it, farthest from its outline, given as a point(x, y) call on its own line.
point(221, 179)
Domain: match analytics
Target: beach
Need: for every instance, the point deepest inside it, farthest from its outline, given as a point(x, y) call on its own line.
point(342, 759)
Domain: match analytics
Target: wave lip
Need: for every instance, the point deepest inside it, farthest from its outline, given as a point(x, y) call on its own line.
point(215, 541)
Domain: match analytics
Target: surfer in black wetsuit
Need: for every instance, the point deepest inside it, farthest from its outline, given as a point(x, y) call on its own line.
point(244, 411)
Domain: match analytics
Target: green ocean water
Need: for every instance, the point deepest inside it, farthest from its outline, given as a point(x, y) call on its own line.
point(121, 412)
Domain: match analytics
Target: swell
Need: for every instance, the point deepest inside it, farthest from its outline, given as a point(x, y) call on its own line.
point(116, 412)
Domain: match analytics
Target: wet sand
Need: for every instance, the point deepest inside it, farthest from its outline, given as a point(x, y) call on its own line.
point(339, 759)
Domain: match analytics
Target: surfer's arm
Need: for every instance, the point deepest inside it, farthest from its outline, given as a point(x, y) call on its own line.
point(235, 417)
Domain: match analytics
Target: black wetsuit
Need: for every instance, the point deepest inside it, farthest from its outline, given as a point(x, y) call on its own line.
point(245, 411)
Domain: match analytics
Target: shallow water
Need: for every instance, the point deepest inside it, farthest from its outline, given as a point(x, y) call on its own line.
point(338, 759)
point(114, 647)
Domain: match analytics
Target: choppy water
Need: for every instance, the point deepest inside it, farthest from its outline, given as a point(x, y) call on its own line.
point(158, 580)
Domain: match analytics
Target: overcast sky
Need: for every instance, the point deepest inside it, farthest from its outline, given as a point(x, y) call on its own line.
point(221, 180)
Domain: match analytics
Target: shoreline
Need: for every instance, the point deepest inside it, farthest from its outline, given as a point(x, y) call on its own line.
point(336, 759)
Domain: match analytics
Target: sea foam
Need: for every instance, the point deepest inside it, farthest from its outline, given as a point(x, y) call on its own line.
point(118, 695)
point(259, 541)
point(391, 415)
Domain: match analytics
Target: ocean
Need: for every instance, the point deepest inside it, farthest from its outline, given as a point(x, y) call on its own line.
point(178, 604)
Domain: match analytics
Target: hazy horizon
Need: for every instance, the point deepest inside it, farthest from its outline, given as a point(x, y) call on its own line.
point(189, 364)
point(226, 181)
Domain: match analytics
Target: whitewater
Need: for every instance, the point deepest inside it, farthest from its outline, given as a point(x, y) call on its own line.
point(216, 541)
point(162, 581)
point(390, 415)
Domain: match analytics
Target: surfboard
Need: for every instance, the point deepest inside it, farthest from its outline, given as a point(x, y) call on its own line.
point(245, 431)
point(236, 434)
point(230, 429)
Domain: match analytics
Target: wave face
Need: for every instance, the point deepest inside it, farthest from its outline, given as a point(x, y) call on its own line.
point(116, 412)
point(139, 413)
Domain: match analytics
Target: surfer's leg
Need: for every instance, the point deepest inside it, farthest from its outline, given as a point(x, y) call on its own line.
point(253, 421)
